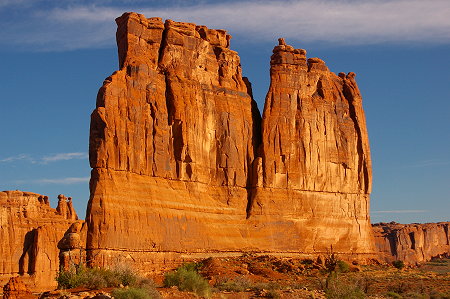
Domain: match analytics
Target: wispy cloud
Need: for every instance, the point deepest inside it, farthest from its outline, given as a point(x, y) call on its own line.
point(430, 163)
point(399, 212)
point(57, 181)
point(63, 157)
point(63, 181)
point(335, 22)
point(45, 159)
point(20, 157)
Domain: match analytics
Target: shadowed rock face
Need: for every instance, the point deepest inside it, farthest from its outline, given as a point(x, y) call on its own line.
point(29, 233)
point(412, 243)
point(184, 166)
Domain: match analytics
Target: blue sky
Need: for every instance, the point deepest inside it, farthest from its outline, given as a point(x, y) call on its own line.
point(55, 55)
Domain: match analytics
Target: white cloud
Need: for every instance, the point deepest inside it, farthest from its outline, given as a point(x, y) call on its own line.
point(399, 212)
point(57, 181)
point(20, 157)
point(62, 181)
point(63, 157)
point(430, 163)
point(335, 22)
point(46, 159)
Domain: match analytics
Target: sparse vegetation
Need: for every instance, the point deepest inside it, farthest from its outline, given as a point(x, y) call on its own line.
point(95, 278)
point(237, 284)
point(331, 262)
point(98, 278)
point(336, 288)
point(393, 295)
point(398, 264)
point(272, 277)
point(187, 278)
point(134, 293)
point(343, 266)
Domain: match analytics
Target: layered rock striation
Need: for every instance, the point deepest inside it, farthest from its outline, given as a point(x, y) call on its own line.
point(29, 233)
point(183, 165)
point(412, 243)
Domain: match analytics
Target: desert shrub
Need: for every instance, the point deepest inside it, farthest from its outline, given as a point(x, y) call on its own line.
point(72, 278)
point(343, 266)
point(260, 286)
point(187, 278)
point(398, 264)
point(135, 293)
point(331, 262)
point(126, 275)
point(393, 295)
point(96, 278)
point(307, 262)
point(268, 290)
point(335, 288)
point(400, 287)
point(273, 294)
point(237, 284)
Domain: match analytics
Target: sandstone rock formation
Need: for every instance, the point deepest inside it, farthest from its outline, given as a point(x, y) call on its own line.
point(16, 289)
point(174, 151)
point(183, 165)
point(172, 141)
point(72, 247)
point(314, 174)
point(412, 243)
point(29, 233)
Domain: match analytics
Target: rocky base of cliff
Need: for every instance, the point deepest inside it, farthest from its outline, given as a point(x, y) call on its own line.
point(251, 276)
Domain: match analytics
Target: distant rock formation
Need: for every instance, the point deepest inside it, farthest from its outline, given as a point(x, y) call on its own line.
point(29, 233)
point(412, 243)
point(183, 165)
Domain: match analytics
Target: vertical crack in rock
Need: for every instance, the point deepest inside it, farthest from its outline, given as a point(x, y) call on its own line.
point(362, 166)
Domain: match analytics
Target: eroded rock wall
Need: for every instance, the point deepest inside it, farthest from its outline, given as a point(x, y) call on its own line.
point(314, 173)
point(412, 243)
point(29, 233)
point(172, 141)
point(182, 167)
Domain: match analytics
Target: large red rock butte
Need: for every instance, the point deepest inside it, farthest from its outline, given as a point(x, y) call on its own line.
point(29, 233)
point(184, 166)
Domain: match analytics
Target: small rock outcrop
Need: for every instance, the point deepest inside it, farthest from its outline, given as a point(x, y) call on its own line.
point(183, 165)
point(29, 233)
point(72, 247)
point(16, 289)
point(412, 243)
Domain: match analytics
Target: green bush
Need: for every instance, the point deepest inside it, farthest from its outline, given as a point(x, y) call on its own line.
point(126, 275)
point(186, 278)
point(335, 288)
point(96, 278)
point(393, 295)
point(343, 266)
point(398, 264)
point(72, 278)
